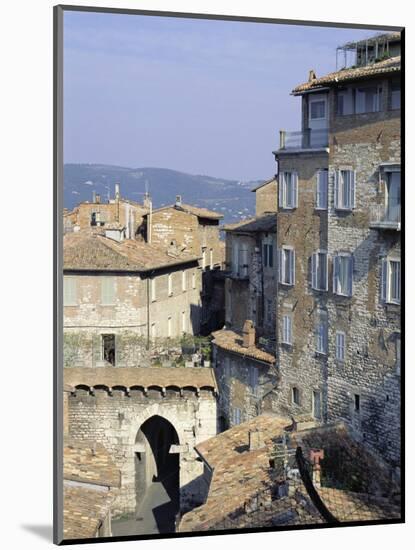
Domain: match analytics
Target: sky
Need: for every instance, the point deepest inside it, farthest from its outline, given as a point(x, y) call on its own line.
point(199, 96)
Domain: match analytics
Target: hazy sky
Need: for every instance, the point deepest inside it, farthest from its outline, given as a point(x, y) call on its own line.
point(200, 96)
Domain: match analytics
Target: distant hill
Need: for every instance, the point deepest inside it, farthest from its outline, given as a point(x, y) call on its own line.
point(231, 198)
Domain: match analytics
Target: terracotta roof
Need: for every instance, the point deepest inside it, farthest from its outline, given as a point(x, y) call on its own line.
point(90, 486)
point(263, 184)
point(391, 65)
point(84, 251)
point(267, 223)
point(84, 510)
point(238, 474)
point(197, 377)
point(232, 341)
point(195, 210)
point(89, 462)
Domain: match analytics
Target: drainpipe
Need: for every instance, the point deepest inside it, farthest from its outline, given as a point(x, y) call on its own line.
point(148, 312)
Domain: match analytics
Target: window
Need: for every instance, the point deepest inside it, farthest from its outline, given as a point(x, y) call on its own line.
point(184, 324)
point(344, 189)
point(393, 196)
point(184, 281)
point(321, 189)
point(169, 331)
point(368, 100)
point(108, 348)
point(170, 284)
point(340, 346)
point(107, 291)
point(243, 261)
point(236, 416)
point(287, 266)
point(287, 336)
point(268, 255)
point(70, 291)
point(396, 95)
point(317, 404)
point(319, 270)
point(391, 281)
point(288, 190)
point(321, 335)
point(153, 290)
point(194, 280)
point(356, 403)
point(342, 274)
point(295, 395)
point(345, 102)
point(203, 258)
point(317, 109)
point(253, 379)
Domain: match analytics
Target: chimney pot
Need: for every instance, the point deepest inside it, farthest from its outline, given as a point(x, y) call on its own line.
point(312, 75)
point(178, 200)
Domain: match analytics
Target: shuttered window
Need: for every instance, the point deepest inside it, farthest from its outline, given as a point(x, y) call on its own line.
point(70, 291)
point(321, 336)
point(343, 274)
point(286, 266)
point(268, 255)
point(317, 404)
point(107, 291)
point(344, 189)
point(288, 190)
point(295, 395)
point(319, 270)
point(287, 336)
point(322, 190)
point(391, 281)
point(340, 346)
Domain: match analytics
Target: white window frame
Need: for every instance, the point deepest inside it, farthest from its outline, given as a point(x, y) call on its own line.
point(108, 297)
point(387, 294)
point(287, 330)
point(70, 291)
point(288, 200)
point(336, 274)
point(344, 199)
point(284, 252)
point(184, 281)
point(322, 189)
point(340, 346)
point(315, 265)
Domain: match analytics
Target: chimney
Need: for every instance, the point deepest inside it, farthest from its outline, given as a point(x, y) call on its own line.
point(117, 192)
point(256, 440)
point(97, 198)
point(178, 200)
point(311, 75)
point(248, 334)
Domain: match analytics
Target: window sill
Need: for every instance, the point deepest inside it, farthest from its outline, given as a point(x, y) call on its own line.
point(342, 295)
point(321, 208)
point(289, 208)
point(343, 209)
point(286, 284)
point(319, 289)
point(320, 354)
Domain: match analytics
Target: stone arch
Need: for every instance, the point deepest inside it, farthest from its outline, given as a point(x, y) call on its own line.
point(157, 460)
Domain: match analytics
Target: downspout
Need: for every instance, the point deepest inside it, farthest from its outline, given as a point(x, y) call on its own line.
point(148, 312)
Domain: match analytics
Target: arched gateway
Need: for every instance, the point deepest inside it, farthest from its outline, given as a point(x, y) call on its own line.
point(149, 420)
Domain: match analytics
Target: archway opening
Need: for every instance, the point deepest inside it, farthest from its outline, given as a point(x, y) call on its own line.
point(157, 473)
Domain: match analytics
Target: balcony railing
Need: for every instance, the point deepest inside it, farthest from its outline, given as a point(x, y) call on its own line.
point(385, 217)
point(306, 139)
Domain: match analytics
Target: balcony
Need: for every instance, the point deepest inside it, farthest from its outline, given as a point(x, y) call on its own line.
point(385, 217)
point(306, 139)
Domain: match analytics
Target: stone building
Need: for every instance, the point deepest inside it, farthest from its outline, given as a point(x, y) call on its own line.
point(244, 351)
point(96, 215)
point(123, 298)
point(196, 231)
point(338, 233)
point(149, 421)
